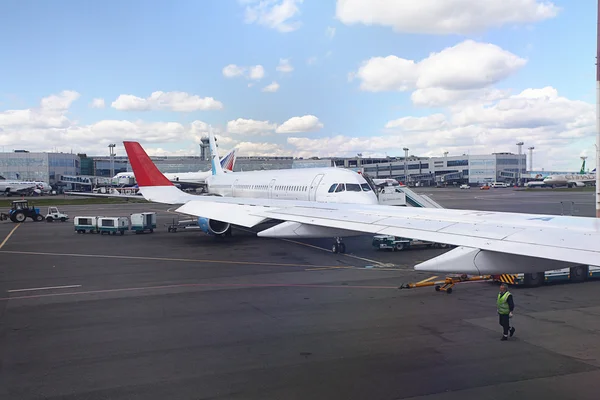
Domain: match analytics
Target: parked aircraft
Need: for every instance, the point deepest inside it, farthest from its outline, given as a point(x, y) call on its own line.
point(197, 179)
point(571, 180)
point(192, 179)
point(10, 187)
point(315, 206)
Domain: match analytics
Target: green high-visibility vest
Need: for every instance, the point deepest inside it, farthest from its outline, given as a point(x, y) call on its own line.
point(502, 304)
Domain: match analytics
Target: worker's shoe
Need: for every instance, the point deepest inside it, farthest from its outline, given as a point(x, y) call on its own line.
point(512, 331)
point(503, 338)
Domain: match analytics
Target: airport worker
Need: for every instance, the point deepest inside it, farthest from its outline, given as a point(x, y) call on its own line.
point(505, 306)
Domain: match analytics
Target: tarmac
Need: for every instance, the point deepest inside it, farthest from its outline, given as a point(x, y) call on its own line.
point(188, 316)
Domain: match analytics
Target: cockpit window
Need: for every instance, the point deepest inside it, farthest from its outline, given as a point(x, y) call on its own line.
point(365, 187)
point(353, 187)
point(340, 188)
point(332, 188)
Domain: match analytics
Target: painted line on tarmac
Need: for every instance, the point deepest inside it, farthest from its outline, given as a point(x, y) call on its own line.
point(200, 285)
point(43, 288)
point(323, 249)
point(36, 253)
point(9, 235)
point(343, 254)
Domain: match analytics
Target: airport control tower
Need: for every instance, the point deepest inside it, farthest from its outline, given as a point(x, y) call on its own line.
point(205, 148)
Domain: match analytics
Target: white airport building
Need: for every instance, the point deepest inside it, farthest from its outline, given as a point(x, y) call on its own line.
point(44, 167)
point(72, 170)
point(472, 169)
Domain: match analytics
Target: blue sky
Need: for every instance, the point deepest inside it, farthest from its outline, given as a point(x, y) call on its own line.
point(105, 50)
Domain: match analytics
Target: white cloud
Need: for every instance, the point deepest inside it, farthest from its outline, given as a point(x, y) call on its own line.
point(173, 101)
point(232, 71)
point(453, 74)
point(97, 103)
point(284, 65)
point(255, 72)
point(311, 60)
point(275, 14)
point(468, 65)
point(50, 114)
point(272, 87)
point(330, 32)
point(261, 149)
point(443, 17)
point(436, 97)
point(306, 123)
point(386, 73)
point(559, 128)
point(431, 122)
point(243, 126)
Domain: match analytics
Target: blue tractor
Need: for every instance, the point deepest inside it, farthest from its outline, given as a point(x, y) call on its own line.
point(20, 211)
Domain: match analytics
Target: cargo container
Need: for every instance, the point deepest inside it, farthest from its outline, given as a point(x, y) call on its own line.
point(113, 225)
point(143, 222)
point(85, 224)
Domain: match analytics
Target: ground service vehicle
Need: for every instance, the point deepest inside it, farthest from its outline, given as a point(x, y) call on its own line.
point(20, 211)
point(113, 225)
point(398, 243)
point(142, 222)
point(575, 274)
point(55, 215)
point(86, 224)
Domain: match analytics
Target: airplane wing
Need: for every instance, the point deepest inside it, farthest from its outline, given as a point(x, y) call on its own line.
point(485, 237)
point(568, 239)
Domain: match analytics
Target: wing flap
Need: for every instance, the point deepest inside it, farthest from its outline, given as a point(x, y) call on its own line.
point(235, 214)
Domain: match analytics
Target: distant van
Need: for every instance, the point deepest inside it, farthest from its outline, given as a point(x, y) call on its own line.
point(499, 185)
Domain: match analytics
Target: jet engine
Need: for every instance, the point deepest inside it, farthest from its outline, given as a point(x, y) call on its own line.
point(213, 227)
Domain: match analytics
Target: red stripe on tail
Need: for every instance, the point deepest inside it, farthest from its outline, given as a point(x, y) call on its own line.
point(146, 173)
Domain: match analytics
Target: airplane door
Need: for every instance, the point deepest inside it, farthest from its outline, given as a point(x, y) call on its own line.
point(271, 186)
point(312, 191)
point(233, 188)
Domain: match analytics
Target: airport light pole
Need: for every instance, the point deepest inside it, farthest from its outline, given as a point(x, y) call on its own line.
point(406, 163)
point(531, 158)
point(520, 144)
point(111, 148)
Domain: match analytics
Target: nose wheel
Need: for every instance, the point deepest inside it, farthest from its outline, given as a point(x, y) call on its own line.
point(338, 246)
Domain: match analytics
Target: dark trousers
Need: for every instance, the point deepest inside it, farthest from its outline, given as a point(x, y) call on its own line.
point(505, 323)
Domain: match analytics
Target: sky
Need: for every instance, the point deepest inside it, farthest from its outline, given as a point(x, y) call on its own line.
point(301, 78)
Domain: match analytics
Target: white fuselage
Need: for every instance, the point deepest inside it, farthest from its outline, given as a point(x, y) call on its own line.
point(328, 185)
point(569, 179)
point(188, 177)
point(10, 186)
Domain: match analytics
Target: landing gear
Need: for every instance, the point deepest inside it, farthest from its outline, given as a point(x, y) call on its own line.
point(338, 246)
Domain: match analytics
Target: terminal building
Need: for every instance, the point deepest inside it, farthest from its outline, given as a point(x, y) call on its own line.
point(80, 171)
point(44, 167)
point(472, 169)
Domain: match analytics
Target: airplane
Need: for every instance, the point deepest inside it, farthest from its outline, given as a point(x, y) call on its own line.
point(10, 187)
point(188, 179)
point(196, 179)
point(571, 180)
point(336, 203)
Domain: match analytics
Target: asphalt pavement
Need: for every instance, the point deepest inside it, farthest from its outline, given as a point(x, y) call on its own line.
point(187, 316)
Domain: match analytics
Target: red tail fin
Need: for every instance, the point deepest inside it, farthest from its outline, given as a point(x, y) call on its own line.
point(146, 173)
